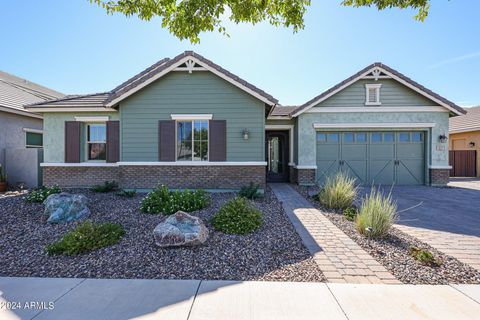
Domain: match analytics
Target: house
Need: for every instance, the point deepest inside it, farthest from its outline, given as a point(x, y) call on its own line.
point(21, 130)
point(188, 123)
point(465, 144)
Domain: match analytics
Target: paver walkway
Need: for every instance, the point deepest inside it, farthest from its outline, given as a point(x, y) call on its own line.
point(339, 257)
point(122, 299)
point(466, 183)
point(448, 219)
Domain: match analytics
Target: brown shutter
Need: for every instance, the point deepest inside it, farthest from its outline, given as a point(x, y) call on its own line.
point(166, 140)
point(72, 141)
point(113, 141)
point(218, 140)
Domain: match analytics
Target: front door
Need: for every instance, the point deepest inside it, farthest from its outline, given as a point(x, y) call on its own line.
point(276, 155)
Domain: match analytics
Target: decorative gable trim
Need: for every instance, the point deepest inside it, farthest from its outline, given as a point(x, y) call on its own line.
point(378, 70)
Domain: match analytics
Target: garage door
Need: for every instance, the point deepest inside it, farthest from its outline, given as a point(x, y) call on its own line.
point(376, 157)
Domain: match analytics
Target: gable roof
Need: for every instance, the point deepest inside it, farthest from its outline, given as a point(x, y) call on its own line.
point(109, 100)
point(16, 92)
point(282, 111)
point(466, 123)
point(394, 74)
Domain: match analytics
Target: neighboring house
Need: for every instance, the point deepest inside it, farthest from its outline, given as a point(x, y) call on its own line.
point(465, 144)
point(21, 130)
point(188, 123)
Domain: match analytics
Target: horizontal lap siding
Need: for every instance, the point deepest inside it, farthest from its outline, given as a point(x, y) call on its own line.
point(392, 94)
point(196, 93)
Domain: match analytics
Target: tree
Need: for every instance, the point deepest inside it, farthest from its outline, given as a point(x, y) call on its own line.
point(185, 19)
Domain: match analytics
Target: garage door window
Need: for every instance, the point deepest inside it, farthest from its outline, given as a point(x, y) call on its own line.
point(348, 137)
point(417, 137)
point(321, 137)
point(388, 137)
point(376, 137)
point(361, 137)
point(332, 137)
point(404, 137)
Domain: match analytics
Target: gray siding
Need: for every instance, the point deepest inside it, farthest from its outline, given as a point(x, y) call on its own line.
point(195, 93)
point(392, 94)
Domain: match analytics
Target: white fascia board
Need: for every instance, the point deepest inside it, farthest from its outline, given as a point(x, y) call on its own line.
point(464, 130)
point(180, 62)
point(392, 125)
point(191, 116)
point(21, 112)
point(93, 119)
point(440, 167)
point(377, 109)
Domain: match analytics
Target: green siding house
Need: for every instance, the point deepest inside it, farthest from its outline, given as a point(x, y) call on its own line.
point(188, 123)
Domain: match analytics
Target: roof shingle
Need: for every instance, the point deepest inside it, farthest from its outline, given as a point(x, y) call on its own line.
point(466, 123)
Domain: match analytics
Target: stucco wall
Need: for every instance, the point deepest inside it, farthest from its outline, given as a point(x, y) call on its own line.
point(11, 131)
point(461, 141)
point(437, 153)
point(54, 132)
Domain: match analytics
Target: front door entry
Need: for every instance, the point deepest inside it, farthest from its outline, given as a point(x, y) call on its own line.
point(276, 149)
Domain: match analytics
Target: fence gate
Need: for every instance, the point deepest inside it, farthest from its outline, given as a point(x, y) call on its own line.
point(463, 163)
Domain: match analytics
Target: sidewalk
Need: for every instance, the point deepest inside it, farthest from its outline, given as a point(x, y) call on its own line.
point(339, 257)
point(211, 300)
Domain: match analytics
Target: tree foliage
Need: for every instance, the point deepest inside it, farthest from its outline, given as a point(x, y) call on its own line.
point(186, 19)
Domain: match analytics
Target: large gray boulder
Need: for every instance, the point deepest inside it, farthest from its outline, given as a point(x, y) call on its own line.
point(65, 207)
point(180, 229)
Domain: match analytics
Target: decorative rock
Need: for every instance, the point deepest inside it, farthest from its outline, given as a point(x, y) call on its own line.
point(180, 229)
point(65, 207)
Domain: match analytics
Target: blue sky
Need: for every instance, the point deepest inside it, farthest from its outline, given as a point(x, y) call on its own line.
point(74, 47)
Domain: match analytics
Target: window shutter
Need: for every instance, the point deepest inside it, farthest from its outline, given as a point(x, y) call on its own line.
point(218, 140)
point(166, 140)
point(72, 141)
point(113, 141)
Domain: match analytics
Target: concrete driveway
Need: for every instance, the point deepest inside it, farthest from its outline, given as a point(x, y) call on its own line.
point(448, 219)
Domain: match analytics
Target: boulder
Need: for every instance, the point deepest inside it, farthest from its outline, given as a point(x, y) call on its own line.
point(65, 207)
point(180, 229)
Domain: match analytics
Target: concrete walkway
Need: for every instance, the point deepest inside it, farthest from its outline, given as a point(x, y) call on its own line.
point(466, 183)
point(94, 299)
point(339, 257)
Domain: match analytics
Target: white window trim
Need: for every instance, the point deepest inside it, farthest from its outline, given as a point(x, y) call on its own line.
point(88, 142)
point(377, 87)
point(28, 130)
point(193, 136)
point(187, 117)
point(291, 136)
point(93, 119)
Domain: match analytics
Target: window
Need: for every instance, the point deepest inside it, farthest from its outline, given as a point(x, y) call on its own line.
point(416, 137)
point(348, 137)
point(96, 142)
point(388, 137)
point(372, 94)
point(376, 137)
point(33, 140)
point(321, 137)
point(192, 140)
point(361, 137)
point(332, 137)
point(404, 137)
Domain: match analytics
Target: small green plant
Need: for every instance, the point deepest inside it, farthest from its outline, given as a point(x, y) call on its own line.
point(350, 213)
point(3, 176)
point(107, 186)
point(250, 191)
point(237, 216)
point(338, 192)
point(377, 214)
point(424, 256)
point(40, 194)
point(87, 236)
point(127, 193)
point(162, 200)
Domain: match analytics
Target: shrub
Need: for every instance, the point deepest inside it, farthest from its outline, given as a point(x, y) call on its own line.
point(127, 193)
point(237, 216)
point(350, 213)
point(107, 186)
point(338, 192)
point(424, 256)
point(40, 194)
point(377, 214)
point(162, 200)
point(87, 236)
point(250, 191)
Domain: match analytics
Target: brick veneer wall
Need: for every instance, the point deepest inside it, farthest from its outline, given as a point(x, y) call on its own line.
point(78, 176)
point(305, 176)
point(146, 177)
point(439, 177)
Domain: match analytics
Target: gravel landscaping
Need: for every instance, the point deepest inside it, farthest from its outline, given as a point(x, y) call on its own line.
point(393, 252)
point(274, 252)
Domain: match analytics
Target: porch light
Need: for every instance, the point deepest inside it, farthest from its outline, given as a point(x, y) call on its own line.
point(443, 138)
point(471, 144)
point(245, 134)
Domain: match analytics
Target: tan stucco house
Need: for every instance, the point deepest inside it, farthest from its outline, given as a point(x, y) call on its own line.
point(465, 136)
